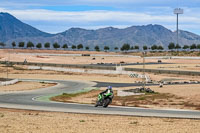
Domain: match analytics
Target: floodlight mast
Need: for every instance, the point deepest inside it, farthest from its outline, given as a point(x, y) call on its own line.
point(177, 11)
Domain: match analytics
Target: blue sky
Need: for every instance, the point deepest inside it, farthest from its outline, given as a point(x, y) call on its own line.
point(55, 16)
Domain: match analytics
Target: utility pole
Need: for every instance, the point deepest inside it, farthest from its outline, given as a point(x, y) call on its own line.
point(177, 11)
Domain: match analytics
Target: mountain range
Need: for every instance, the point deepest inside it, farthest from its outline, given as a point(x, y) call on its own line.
point(12, 29)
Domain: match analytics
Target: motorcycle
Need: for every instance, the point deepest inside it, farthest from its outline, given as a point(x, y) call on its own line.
point(104, 99)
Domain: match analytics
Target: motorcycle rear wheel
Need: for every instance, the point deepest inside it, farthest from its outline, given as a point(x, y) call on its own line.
point(97, 104)
point(106, 103)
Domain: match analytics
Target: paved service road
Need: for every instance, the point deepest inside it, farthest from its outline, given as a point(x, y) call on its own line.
point(26, 100)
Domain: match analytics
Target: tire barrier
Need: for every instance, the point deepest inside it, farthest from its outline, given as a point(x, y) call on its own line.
point(133, 75)
point(193, 73)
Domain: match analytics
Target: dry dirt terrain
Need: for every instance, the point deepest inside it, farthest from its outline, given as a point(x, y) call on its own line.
point(21, 55)
point(21, 121)
point(183, 96)
point(24, 86)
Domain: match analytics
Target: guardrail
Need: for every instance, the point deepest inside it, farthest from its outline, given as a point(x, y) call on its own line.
point(164, 71)
point(60, 65)
point(104, 68)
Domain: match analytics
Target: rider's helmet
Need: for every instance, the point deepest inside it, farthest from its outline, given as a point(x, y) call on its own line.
point(109, 87)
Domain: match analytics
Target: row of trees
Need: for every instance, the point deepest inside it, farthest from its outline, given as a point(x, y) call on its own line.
point(39, 45)
point(172, 46)
point(47, 45)
point(55, 45)
point(125, 47)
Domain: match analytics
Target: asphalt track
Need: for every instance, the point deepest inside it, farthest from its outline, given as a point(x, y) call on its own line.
point(29, 100)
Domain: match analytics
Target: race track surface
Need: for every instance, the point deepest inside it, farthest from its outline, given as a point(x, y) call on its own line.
point(28, 100)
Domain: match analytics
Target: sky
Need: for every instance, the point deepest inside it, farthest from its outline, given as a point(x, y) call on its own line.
point(54, 16)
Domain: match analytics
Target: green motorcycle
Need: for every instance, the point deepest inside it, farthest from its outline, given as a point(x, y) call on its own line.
point(104, 99)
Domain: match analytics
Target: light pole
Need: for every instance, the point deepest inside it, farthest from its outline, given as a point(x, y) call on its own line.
point(177, 11)
point(8, 62)
point(144, 79)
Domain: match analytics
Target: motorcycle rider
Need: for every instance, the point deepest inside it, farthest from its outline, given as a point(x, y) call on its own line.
point(103, 94)
point(108, 90)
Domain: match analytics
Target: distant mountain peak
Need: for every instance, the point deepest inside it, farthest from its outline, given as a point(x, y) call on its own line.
point(5, 13)
point(12, 29)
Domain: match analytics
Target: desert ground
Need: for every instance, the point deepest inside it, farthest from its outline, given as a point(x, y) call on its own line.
point(24, 86)
point(181, 96)
point(20, 121)
point(171, 64)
